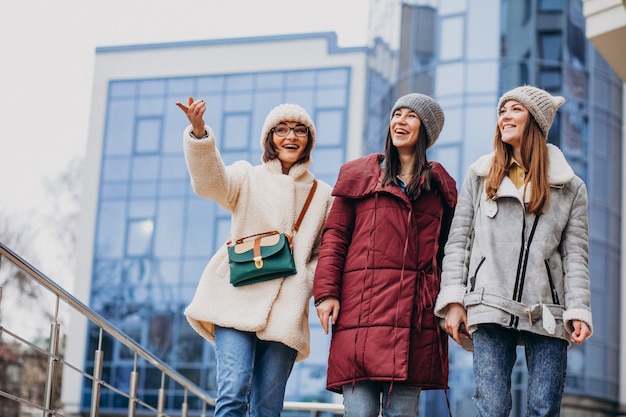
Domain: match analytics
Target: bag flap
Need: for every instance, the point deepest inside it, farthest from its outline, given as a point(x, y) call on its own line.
point(244, 252)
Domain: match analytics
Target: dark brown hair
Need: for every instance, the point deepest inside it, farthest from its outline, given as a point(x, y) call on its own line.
point(422, 174)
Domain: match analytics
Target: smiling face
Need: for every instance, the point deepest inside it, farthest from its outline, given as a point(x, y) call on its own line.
point(290, 148)
point(512, 121)
point(404, 129)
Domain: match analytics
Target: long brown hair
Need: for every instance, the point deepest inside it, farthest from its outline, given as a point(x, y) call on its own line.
point(534, 151)
point(422, 173)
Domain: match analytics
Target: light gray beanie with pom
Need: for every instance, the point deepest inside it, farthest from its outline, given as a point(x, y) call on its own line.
point(541, 104)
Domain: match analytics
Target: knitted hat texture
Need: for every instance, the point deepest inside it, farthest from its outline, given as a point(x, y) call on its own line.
point(428, 110)
point(541, 104)
point(286, 113)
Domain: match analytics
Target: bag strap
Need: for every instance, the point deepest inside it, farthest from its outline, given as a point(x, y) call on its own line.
point(307, 203)
point(296, 226)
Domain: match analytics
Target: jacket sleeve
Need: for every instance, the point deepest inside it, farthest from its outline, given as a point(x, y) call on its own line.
point(311, 265)
point(457, 249)
point(210, 178)
point(336, 239)
point(574, 252)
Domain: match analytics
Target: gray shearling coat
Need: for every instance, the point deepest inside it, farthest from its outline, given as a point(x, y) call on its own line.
point(261, 198)
point(541, 289)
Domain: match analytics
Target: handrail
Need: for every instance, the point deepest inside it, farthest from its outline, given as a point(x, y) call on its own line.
point(110, 329)
point(101, 322)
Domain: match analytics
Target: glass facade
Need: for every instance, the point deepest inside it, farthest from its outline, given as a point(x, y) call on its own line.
point(466, 54)
point(154, 236)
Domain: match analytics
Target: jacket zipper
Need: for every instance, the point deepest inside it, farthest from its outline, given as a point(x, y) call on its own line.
point(555, 296)
point(473, 278)
point(521, 268)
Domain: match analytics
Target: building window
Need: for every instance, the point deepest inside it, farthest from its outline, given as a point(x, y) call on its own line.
point(550, 5)
point(550, 46)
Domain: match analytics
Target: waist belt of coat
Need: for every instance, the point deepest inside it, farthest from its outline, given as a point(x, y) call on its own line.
point(532, 313)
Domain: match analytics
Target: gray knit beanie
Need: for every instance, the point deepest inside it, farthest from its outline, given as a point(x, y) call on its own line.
point(428, 110)
point(541, 104)
point(287, 113)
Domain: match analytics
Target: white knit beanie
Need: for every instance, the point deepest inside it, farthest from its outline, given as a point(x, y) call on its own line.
point(541, 104)
point(287, 113)
point(428, 110)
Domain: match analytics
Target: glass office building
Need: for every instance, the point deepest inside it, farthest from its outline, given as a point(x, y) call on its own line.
point(148, 237)
point(466, 54)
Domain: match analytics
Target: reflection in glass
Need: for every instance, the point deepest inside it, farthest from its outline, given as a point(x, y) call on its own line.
point(139, 238)
point(154, 235)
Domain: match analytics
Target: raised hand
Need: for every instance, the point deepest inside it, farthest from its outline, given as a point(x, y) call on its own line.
point(194, 110)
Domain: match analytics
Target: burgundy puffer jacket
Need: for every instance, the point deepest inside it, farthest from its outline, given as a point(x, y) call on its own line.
point(381, 256)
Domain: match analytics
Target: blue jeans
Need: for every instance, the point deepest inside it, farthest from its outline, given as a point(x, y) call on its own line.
point(494, 357)
point(365, 400)
point(251, 374)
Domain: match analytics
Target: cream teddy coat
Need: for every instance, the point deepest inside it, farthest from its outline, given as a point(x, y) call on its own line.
point(261, 198)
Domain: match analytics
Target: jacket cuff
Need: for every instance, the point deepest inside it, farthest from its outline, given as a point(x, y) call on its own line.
point(577, 314)
point(448, 295)
point(189, 136)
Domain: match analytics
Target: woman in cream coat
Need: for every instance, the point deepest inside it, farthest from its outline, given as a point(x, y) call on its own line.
point(259, 330)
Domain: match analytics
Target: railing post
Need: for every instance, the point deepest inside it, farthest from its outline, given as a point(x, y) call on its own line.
point(97, 378)
point(134, 381)
point(185, 406)
point(161, 407)
point(53, 349)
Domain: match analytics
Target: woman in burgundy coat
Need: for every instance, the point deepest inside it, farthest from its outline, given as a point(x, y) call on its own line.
point(379, 271)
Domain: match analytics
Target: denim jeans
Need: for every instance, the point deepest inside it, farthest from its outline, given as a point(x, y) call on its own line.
point(251, 374)
point(494, 357)
point(365, 400)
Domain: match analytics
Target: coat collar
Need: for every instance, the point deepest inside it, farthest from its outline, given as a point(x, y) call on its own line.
point(297, 171)
point(362, 177)
point(559, 171)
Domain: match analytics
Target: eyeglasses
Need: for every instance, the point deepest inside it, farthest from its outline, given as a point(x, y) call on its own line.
point(283, 130)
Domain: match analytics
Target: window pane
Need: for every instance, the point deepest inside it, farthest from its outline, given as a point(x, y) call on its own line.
point(139, 238)
point(115, 169)
point(148, 136)
point(236, 131)
point(329, 127)
point(452, 31)
point(145, 167)
point(119, 128)
point(151, 88)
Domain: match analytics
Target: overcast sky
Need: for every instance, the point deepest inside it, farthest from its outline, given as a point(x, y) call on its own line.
point(47, 52)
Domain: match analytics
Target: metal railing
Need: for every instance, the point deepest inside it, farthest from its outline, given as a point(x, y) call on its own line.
point(55, 360)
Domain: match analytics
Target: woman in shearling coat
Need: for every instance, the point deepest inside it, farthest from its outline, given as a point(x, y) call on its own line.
point(523, 278)
point(259, 330)
point(379, 268)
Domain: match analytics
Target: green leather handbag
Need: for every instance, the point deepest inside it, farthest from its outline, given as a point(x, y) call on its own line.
point(260, 258)
point(264, 256)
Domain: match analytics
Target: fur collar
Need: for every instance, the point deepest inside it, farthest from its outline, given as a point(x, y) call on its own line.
point(559, 171)
point(298, 170)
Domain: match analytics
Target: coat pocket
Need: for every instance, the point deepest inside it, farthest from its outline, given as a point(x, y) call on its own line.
point(472, 280)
